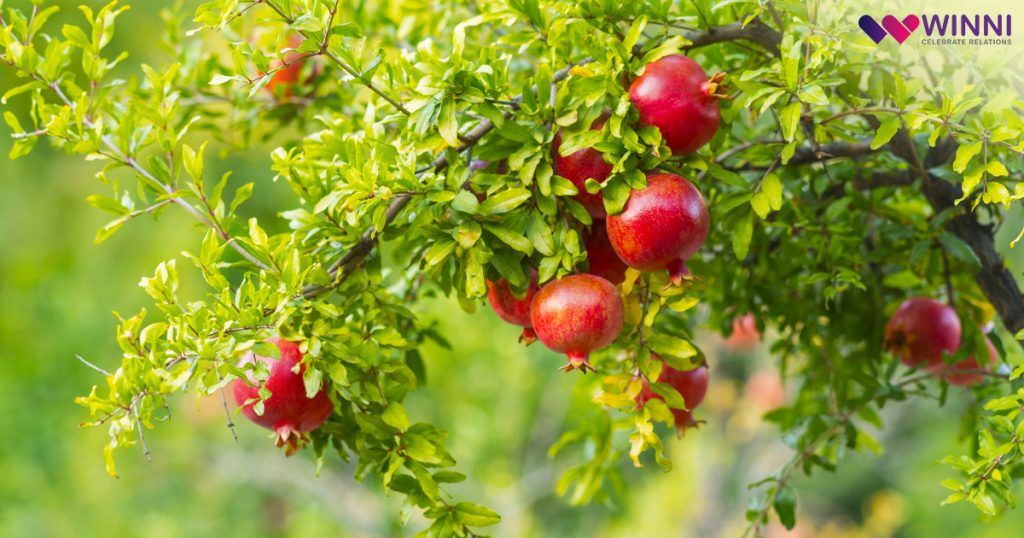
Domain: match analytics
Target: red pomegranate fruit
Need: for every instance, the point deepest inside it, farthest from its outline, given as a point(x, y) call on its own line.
point(662, 225)
point(967, 372)
point(692, 385)
point(513, 309)
point(285, 80)
point(601, 257)
point(675, 95)
point(288, 411)
point(576, 315)
point(922, 329)
point(578, 167)
point(745, 335)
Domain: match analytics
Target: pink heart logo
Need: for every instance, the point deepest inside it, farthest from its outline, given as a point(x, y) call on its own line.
point(900, 30)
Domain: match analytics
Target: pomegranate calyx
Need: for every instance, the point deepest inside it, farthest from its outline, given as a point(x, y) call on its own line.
point(578, 361)
point(678, 273)
point(528, 337)
point(289, 439)
point(715, 87)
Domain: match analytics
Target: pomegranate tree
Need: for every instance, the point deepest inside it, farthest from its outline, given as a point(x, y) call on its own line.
point(921, 330)
point(661, 225)
point(576, 315)
point(675, 95)
point(513, 308)
point(289, 412)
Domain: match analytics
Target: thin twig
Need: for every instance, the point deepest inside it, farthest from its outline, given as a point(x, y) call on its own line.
point(224, 400)
point(142, 435)
point(93, 366)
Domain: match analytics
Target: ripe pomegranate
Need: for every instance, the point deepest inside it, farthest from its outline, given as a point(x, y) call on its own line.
point(285, 81)
point(962, 373)
point(661, 225)
point(745, 335)
point(922, 329)
point(578, 167)
point(288, 411)
point(576, 315)
point(603, 260)
point(676, 96)
point(764, 389)
point(512, 309)
point(692, 385)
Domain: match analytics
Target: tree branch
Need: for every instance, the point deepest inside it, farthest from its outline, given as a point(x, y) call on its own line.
point(755, 32)
point(994, 279)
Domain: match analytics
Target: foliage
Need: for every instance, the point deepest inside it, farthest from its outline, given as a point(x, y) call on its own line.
point(830, 168)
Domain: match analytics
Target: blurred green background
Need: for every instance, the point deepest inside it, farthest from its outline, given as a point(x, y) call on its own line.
point(503, 404)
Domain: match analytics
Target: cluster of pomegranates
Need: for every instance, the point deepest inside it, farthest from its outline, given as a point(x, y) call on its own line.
point(922, 330)
point(660, 226)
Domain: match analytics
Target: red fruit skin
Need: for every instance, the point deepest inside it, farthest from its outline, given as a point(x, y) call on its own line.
point(920, 331)
point(603, 260)
point(672, 95)
point(949, 371)
point(576, 315)
point(584, 164)
point(285, 81)
point(661, 224)
point(288, 411)
point(512, 309)
point(745, 335)
point(692, 385)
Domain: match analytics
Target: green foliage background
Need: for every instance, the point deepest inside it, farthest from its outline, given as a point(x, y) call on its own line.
point(503, 405)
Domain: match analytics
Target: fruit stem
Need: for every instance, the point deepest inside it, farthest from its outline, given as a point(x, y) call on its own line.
point(578, 361)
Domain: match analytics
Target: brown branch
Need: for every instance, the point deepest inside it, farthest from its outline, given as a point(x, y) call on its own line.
point(755, 32)
point(994, 278)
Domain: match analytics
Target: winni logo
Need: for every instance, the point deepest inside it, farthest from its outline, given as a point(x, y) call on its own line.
point(962, 29)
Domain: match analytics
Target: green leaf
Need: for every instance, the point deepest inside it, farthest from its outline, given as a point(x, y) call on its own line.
point(394, 416)
point(790, 120)
point(439, 251)
point(540, 235)
point(475, 515)
point(785, 506)
point(958, 249)
point(466, 202)
point(964, 154)
point(448, 125)
point(615, 195)
point(504, 201)
point(885, 132)
point(510, 237)
point(772, 188)
point(741, 235)
point(671, 346)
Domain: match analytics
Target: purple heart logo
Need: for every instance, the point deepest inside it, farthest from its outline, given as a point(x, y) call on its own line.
point(900, 30)
point(872, 28)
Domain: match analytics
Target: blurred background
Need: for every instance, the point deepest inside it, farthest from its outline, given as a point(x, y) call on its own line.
point(503, 404)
